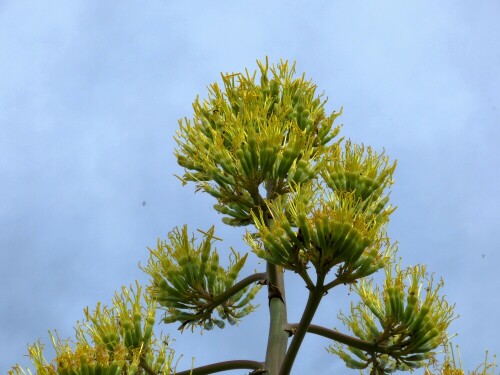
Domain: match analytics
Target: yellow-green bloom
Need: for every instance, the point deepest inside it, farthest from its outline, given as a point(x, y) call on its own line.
point(361, 171)
point(248, 135)
point(324, 228)
point(111, 340)
point(187, 281)
point(408, 323)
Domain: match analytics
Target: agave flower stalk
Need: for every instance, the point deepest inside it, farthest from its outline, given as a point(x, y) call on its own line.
point(266, 149)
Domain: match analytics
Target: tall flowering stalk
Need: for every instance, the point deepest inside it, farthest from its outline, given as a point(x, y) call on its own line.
point(263, 145)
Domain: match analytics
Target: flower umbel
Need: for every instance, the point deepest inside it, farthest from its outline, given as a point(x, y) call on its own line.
point(409, 326)
point(187, 281)
point(111, 340)
point(247, 135)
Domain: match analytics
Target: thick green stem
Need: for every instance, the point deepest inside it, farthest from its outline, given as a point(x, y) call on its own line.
point(278, 337)
point(312, 304)
point(224, 366)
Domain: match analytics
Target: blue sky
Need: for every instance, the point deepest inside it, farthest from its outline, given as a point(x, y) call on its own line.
point(90, 95)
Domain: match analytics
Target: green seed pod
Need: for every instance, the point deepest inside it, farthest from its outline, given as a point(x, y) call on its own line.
point(238, 295)
point(240, 210)
point(388, 305)
point(276, 252)
point(272, 152)
point(221, 208)
point(128, 335)
point(180, 316)
point(375, 310)
point(84, 367)
point(177, 280)
point(220, 178)
point(219, 323)
point(419, 319)
point(425, 339)
point(274, 245)
point(189, 271)
point(398, 297)
point(274, 88)
point(114, 368)
point(264, 162)
point(169, 294)
point(245, 168)
point(352, 363)
point(364, 264)
point(235, 269)
point(358, 332)
point(341, 231)
point(375, 333)
point(250, 296)
point(286, 162)
point(358, 353)
point(297, 174)
point(292, 236)
point(246, 310)
point(160, 283)
point(132, 369)
point(409, 366)
point(205, 255)
point(304, 228)
point(392, 302)
point(358, 246)
point(320, 234)
point(400, 300)
point(148, 329)
point(254, 154)
point(226, 210)
point(248, 158)
point(177, 305)
point(138, 326)
point(227, 165)
point(212, 272)
point(410, 308)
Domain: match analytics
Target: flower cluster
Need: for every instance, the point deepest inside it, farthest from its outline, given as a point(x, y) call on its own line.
point(110, 341)
point(342, 223)
point(399, 319)
point(248, 135)
point(189, 283)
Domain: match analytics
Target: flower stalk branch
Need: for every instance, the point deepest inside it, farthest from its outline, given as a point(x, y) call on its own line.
point(342, 338)
point(224, 366)
point(312, 304)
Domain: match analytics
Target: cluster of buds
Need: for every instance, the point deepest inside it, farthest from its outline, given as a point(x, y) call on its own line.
point(362, 172)
point(405, 326)
point(248, 135)
point(341, 224)
point(110, 341)
point(189, 283)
